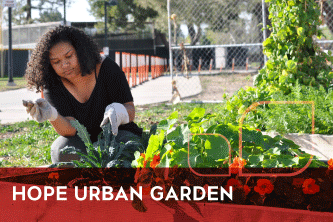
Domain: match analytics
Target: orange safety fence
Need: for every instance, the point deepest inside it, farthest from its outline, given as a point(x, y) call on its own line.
point(199, 68)
point(147, 68)
point(153, 67)
point(125, 65)
point(136, 67)
point(141, 68)
point(133, 69)
point(210, 65)
point(233, 64)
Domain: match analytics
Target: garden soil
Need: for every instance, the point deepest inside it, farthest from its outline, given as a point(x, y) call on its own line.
point(214, 86)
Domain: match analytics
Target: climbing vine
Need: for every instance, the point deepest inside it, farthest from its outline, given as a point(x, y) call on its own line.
point(292, 52)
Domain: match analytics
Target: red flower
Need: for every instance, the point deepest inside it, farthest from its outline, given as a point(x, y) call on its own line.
point(247, 189)
point(264, 186)
point(145, 188)
point(53, 176)
point(330, 164)
point(310, 186)
point(237, 164)
point(143, 155)
point(144, 163)
point(258, 130)
point(156, 161)
point(298, 182)
point(233, 183)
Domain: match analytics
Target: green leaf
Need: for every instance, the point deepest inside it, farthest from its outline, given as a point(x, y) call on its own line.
point(300, 31)
point(270, 163)
point(81, 131)
point(181, 135)
point(155, 142)
point(273, 151)
point(173, 115)
point(254, 160)
point(288, 160)
point(267, 42)
point(291, 65)
point(165, 161)
point(216, 147)
point(166, 124)
point(252, 136)
point(180, 157)
point(196, 114)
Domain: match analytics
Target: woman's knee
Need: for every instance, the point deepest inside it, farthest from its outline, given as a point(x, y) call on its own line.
point(60, 143)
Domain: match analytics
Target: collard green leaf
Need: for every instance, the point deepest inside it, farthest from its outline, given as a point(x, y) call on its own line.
point(81, 131)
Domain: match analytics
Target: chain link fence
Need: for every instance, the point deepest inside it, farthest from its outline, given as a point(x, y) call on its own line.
point(220, 43)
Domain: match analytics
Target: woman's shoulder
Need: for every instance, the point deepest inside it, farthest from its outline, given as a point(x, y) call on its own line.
point(107, 61)
point(109, 66)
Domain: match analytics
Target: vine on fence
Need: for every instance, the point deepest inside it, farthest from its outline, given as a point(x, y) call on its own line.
point(291, 49)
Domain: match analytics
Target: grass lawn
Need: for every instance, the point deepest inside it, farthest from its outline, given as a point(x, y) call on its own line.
point(19, 81)
point(27, 144)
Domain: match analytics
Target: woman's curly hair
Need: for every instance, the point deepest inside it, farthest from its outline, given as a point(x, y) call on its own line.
point(39, 72)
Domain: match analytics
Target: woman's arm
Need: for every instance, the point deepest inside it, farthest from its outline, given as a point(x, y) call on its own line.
point(130, 110)
point(63, 126)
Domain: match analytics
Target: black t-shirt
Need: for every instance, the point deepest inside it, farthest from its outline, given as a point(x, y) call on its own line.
point(111, 86)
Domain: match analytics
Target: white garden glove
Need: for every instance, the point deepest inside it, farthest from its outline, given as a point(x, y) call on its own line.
point(117, 115)
point(41, 110)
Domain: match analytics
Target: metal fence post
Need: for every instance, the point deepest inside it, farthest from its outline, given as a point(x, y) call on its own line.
point(170, 45)
point(264, 26)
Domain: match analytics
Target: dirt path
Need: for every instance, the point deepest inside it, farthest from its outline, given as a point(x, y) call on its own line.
point(214, 86)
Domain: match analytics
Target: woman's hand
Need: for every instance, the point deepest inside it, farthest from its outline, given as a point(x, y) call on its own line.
point(41, 110)
point(117, 115)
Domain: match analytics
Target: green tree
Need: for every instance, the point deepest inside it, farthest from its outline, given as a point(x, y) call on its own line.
point(214, 18)
point(120, 15)
point(49, 16)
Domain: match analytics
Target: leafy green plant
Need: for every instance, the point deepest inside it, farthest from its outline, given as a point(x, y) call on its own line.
point(26, 144)
point(298, 118)
point(106, 152)
point(199, 141)
point(291, 49)
point(282, 118)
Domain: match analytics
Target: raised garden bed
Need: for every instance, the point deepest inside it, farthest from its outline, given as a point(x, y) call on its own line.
point(287, 195)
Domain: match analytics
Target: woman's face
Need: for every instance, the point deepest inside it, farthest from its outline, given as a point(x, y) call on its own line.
point(64, 60)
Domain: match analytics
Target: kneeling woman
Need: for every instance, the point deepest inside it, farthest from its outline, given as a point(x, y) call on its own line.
point(78, 84)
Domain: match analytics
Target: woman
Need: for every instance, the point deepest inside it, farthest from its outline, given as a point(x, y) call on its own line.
point(78, 84)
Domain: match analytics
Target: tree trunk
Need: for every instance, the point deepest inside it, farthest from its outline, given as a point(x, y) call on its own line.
point(257, 11)
point(28, 10)
point(329, 16)
point(195, 36)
